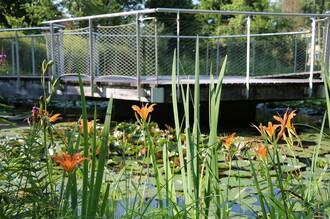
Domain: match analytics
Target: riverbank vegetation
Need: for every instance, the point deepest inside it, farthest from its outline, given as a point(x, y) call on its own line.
point(89, 169)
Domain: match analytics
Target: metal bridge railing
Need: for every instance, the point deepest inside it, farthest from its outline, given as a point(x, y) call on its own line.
point(145, 46)
point(22, 54)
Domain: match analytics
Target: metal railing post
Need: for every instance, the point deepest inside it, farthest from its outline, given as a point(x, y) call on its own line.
point(52, 47)
point(178, 44)
point(326, 45)
point(13, 57)
point(207, 59)
point(91, 57)
point(248, 56)
point(295, 54)
point(61, 52)
point(33, 58)
point(17, 62)
point(138, 70)
point(156, 49)
point(178, 53)
point(17, 54)
point(312, 56)
point(253, 55)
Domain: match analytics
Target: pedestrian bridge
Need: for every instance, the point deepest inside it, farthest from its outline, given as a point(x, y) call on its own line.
point(134, 61)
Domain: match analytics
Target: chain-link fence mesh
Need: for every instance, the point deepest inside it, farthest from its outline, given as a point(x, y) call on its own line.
point(269, 54)
point(7, 56)
point(148, 47)
point(22, 54)
point(31, 58)
point(72, 51)
point(116, 50)
point(283, 54)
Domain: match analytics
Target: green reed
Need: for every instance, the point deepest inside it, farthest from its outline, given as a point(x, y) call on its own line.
point(27, 184)
point(199, 188)
point(281, 193)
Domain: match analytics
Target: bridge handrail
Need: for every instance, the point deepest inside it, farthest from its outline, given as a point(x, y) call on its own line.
point(178, 36)
point(315, 18)
point(177, 10)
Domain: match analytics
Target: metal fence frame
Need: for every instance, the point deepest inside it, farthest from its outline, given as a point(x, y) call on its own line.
point(313, 17)
point(16, 39)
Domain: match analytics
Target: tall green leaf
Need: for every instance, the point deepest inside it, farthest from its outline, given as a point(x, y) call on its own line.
point(178, 128)
point(212, 159)
point(86, 146)
point(92, 209)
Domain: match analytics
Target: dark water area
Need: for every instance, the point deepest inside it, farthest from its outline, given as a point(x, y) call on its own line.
point(231, 119)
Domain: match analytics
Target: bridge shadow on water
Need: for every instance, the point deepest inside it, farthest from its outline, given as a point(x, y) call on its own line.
point(234, 116)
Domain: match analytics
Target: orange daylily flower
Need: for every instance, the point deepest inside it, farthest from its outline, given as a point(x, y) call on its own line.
point(143, 111)
point(89, 125)
point(54, 117)
point(286, 120)
point(36, 113)
point(286, 123)
point(261, 151)
point(68, 162)
point(229, 140)
point(270, 129)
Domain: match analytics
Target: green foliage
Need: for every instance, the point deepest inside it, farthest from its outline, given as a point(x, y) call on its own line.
point(316, 6)
point(200, 179)
point(27, 183)
point(27, 13)
point(169, 4)
point(236, 24)
point(26, 47)
point(78, 8)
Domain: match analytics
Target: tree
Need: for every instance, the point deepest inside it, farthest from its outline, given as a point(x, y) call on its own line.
point(9, 8)
point(78, 8)
point(169, 19)
point(169, 4)
point(27, 13)
point(236, 24)
point(316, 6)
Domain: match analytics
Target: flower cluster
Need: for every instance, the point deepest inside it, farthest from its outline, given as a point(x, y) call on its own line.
point(37, 114)
point(274, 132)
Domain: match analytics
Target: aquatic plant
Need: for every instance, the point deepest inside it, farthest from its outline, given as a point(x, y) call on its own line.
point(177, 172)
point(27, 183)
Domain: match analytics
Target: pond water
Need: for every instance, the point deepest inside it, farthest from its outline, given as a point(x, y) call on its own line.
point(309, 112)
point(238, 178)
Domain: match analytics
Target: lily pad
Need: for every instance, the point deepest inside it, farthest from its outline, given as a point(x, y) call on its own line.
point(236, 181)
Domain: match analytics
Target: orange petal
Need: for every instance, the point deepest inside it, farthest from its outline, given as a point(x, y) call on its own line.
point(53, 118)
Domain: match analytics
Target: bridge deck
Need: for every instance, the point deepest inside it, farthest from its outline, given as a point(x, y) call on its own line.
point(158, 89)
point(152, 81)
